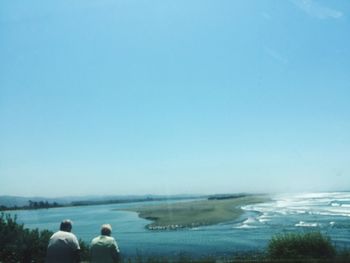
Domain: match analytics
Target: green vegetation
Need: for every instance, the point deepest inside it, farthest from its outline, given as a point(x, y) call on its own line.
point(31, 205)
point(195, 213)
point(225, 196)
point(19, 244)
point(298, 246)
point(127, 200)
point(42, 204)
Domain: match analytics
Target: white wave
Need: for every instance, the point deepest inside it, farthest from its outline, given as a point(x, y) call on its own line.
point(304, 204)
point(245, 226)
point(306, 224)
point(324, 195)
point(340, 210)
point(332, 214)
point(264, 218)
point(249, 220)
point(320, 206)
point(248, 223)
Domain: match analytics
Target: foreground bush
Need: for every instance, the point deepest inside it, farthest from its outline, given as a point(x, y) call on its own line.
point(301, 246)
point(19, 244)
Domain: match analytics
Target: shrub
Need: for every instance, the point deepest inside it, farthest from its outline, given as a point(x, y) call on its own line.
point(19, 244)
point(311, 245)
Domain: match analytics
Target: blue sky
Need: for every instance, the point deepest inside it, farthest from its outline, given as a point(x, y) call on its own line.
point(166, 97)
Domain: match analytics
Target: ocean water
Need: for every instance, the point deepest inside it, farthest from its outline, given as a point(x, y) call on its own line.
point(325, 212)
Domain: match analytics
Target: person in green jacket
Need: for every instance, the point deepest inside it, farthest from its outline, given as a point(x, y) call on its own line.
point(104, 248)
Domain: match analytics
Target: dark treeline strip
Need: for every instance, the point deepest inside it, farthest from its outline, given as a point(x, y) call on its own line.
point(131, 200)
point(45, 204)
point(226, 196)
point(31, 205)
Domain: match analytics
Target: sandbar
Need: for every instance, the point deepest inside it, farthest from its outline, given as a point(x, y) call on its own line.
point(196, 213)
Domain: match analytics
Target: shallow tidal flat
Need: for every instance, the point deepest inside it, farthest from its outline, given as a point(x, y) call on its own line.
point(195, 213)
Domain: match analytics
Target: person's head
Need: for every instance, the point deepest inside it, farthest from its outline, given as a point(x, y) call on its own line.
point(66, 225)
point(106, 230)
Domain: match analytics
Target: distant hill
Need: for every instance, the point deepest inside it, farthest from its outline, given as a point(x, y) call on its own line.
point(11, 201)
point(20, 201)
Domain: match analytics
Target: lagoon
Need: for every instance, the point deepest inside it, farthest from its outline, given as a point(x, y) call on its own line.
point(326, 212)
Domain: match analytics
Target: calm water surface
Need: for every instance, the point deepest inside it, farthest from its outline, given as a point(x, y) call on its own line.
point(327, 212)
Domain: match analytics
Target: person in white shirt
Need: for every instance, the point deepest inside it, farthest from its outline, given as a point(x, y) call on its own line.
point(63, 245)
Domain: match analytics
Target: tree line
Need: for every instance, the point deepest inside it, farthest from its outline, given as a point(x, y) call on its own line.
point(32, 205)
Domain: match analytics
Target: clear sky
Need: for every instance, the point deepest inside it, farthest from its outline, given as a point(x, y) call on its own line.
point(171, 97)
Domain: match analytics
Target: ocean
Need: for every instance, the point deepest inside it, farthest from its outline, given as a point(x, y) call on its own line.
point(325, 212)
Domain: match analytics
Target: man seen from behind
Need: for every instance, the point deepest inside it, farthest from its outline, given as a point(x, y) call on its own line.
point(63, 245)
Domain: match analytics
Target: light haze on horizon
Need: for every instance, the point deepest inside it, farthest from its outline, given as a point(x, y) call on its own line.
point(174, 97)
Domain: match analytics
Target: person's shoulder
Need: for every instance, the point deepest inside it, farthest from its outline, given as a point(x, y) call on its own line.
point(73, 238)
point(71, 234)
point(58, 234)
point(110, 240)
point(95, 239)
point(66, 235)
point(104, 239)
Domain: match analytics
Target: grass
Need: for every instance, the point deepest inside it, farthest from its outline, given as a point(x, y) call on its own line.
point(195, 213)
point(301, 246)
